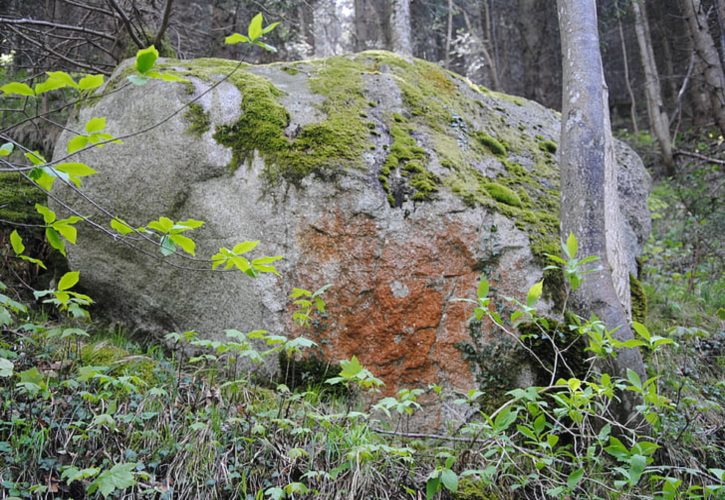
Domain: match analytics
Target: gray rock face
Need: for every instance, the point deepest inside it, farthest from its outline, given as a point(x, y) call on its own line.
point(396, 182)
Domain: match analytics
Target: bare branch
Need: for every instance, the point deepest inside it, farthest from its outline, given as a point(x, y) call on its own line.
point(164, 23)
point(48, 24)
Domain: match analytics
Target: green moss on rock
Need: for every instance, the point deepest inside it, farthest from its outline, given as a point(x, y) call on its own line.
point(18, 198)
point(638, 298)
point(548, 146)
point(491, 143)
point(503, 194)
point(406, 160)
point(199, 121)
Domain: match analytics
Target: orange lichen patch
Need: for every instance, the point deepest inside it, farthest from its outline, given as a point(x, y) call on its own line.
point(390, 303)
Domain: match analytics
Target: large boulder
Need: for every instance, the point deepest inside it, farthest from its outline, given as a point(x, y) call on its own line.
point(395, 181)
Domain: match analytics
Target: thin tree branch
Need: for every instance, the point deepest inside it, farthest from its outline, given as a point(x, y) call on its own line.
point(127, 23)
point(699, 156)
point(164, 23)
point(48, 24)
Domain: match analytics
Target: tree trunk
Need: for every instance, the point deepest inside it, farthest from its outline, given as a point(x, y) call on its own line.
point(400, 27)
point(589, 204)
point(658, 120)
point(627, 79)
point(707, 53)
point(324, 26)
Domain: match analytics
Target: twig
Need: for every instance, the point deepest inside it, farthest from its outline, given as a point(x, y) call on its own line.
point(698, 156)
point(164, 23)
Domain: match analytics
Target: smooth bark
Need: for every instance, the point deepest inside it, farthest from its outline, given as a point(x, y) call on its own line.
point(658, 120)
point(708, 55)
point(589, 201)
point(400, 27)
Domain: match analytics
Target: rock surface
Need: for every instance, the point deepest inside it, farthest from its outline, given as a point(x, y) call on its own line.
point(394, 181)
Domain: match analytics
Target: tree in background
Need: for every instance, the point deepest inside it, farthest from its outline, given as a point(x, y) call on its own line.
point(658, 119)
point(713, 73)
point(589, 201)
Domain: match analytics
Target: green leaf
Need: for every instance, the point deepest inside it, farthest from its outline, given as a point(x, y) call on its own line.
point(162, 225)
point(641, 330)
point(77, 143)
point(265, 46)
point(189, 224)
point(54, 239)
point(449, 480)
point(90, 82)
point(244, 247)
point(67, 231)
point(483, 288)
point(572, 246)
point(535, 293)
point(167, 246)
point(432, 486)
point(145, 59)
point(33, 261)
point(119, 477)
point(186, 244)
point(270, 27)
point(350, 368)
point(69, 280)
point(574, 478)
point(49, 85)
point(255, 27)
point(17, 242)
point(120, 226)
point(236, 38)
point(64, 77)
point(637, 464)
point(75, 169)
point(138, 80)
point(17, 88)
point(6, 149)
point(633, 378)
point(48, 215)
point(95, 125)
point(6, 368)
point(36, 158)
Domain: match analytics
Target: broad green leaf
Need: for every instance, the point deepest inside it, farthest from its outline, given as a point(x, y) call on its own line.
point(90, 82)
point(190, 223)
point(17, 242)
point(68, 232)
point(75, 169)
point(6, 149)
point(641, 330)
point(431, 487)
point(534, 293)
point(48, 215)
point(185, 243)
point(265, 46)
point(244, 247)
point(574, 478)
point(255, 27)
point(162, 225)
point(637, 464)
point(633, 378)
point(449, 480)
point(572, 246)
point(69, 280)
point(17, 88)
point(54, 239)
point(235, 38)
point(77, 143)
point(6, 368)
point(119, 477)
point(145, 59)
point(270, 27)
point(120, 226)
point(95, 125)
point(49, 85)
point(64, 77)
point(350, 367)
point(483, 288)
point(138, 80)
point(167, 246)
point(35, 158)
